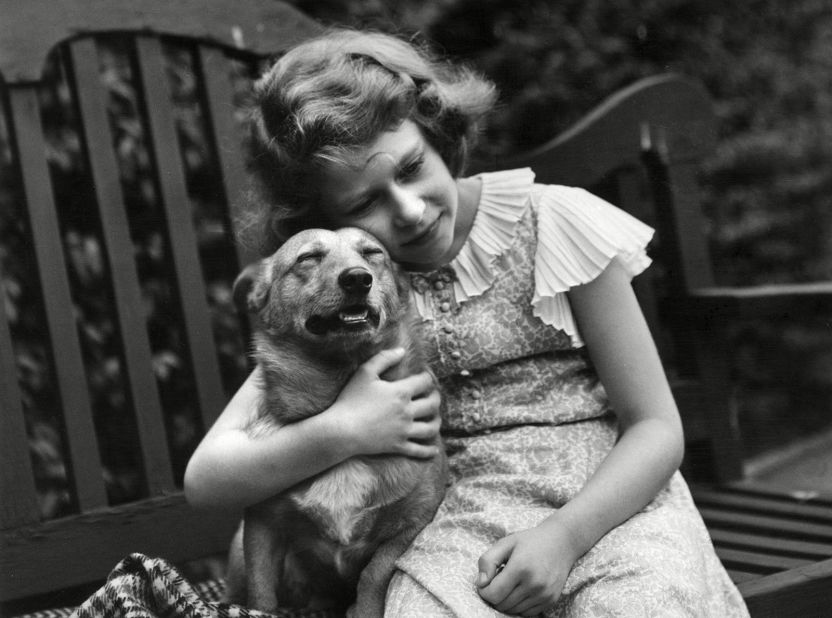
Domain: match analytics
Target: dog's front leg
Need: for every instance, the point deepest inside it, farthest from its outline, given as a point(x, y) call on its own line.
point(263, 562)
point(376, 576)
point(235, 576)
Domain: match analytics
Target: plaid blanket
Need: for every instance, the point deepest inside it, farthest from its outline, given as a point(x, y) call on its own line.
point(143, 587)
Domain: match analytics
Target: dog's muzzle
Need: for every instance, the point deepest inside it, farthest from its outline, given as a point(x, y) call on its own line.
point(350, 318)
point(355, 314)
point(356, 280)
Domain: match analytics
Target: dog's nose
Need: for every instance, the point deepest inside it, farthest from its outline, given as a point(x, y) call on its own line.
point(356, 280)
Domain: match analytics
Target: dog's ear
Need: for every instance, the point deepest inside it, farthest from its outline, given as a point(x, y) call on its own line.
point(250, 291)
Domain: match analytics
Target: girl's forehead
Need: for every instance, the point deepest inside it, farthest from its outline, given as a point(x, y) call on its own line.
point(390, 146)
point(378, 160)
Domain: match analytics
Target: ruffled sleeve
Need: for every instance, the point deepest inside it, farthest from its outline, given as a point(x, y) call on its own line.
point(578, 236)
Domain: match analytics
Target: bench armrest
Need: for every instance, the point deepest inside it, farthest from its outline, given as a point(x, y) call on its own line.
point(706, 305)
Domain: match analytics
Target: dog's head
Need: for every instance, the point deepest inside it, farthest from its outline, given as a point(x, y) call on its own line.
point(326, 286)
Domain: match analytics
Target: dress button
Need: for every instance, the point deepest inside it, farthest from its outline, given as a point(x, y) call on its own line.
point(456, 354)
point(448, 328)
point(439, 285)
point(445, 307)
point(476, 394)
point(465, 373)
point(476, 417)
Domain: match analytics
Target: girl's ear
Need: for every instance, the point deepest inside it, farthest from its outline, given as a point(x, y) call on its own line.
point(251, 290)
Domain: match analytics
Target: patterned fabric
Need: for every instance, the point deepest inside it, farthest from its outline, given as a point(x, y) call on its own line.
point(527, 422)
point(143, 587)
point(57, 612)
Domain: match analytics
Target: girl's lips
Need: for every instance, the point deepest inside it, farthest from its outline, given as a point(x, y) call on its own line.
point(417, 240)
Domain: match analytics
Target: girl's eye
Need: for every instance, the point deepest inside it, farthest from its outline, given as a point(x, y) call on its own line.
point(412, 168)
point(362, 207)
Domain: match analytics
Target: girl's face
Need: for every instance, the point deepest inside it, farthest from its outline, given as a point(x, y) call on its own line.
point(399, 189)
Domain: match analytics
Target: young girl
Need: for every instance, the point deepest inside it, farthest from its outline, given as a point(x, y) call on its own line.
point(564, 496)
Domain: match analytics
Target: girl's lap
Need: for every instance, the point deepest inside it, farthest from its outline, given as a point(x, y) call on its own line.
point(658, 562)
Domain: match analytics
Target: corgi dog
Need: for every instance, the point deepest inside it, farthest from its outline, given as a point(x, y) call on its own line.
point(326, 302)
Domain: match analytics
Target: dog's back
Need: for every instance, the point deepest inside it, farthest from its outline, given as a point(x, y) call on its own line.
point(328, 301)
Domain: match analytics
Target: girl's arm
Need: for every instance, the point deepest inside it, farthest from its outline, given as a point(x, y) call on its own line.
point(648, 451)
point(232, 469)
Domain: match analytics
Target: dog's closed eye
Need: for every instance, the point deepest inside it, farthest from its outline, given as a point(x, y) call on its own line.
point(371, 251)
point(310, 256)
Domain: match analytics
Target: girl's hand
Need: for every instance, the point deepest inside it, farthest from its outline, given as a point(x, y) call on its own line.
point(524, 573)
point(377, 416)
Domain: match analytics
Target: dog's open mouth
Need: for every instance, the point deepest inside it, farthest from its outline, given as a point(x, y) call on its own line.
point(350, 318)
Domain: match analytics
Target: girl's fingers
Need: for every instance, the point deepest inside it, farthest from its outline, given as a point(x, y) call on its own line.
point(422, 432)
point(514, 600)
point(503, 593)
point(383, 361)
point(426, 409)
point(418, 385)
point(419, 451)
point(532, 608)
point(491, 562)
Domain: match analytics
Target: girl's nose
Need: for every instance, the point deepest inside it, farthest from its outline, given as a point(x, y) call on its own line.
point(409, 208)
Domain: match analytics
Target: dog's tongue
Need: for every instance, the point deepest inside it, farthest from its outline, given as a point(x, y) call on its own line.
point(353, 316)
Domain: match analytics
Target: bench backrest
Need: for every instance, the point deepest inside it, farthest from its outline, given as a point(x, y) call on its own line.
point(143, 209)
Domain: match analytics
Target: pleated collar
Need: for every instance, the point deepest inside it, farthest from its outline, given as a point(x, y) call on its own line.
point(504, 199)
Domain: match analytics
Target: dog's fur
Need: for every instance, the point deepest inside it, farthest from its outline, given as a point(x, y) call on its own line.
point(327, 302)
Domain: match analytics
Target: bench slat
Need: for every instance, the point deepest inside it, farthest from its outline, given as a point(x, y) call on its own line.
point(183, 240)
point(219, 94)
point(762, 504)
point(70, 378)
point(770, 525)
point(17, 482)
point(141, 382)
point(753, 487)
point(799, 592)
point(60, 553)
point(752, 561)
point(739, 577)
point(769, 544)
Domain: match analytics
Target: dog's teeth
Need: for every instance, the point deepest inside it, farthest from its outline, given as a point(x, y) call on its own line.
point(350, 318)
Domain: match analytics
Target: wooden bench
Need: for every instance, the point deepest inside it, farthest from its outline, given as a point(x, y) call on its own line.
point(147, 208)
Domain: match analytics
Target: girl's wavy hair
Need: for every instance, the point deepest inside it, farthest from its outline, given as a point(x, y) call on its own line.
point(336, 93)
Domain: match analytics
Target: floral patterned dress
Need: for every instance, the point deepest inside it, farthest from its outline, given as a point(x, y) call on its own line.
point(527, 422)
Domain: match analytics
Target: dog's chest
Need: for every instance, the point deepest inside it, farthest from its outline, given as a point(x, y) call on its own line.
point(343, 501)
